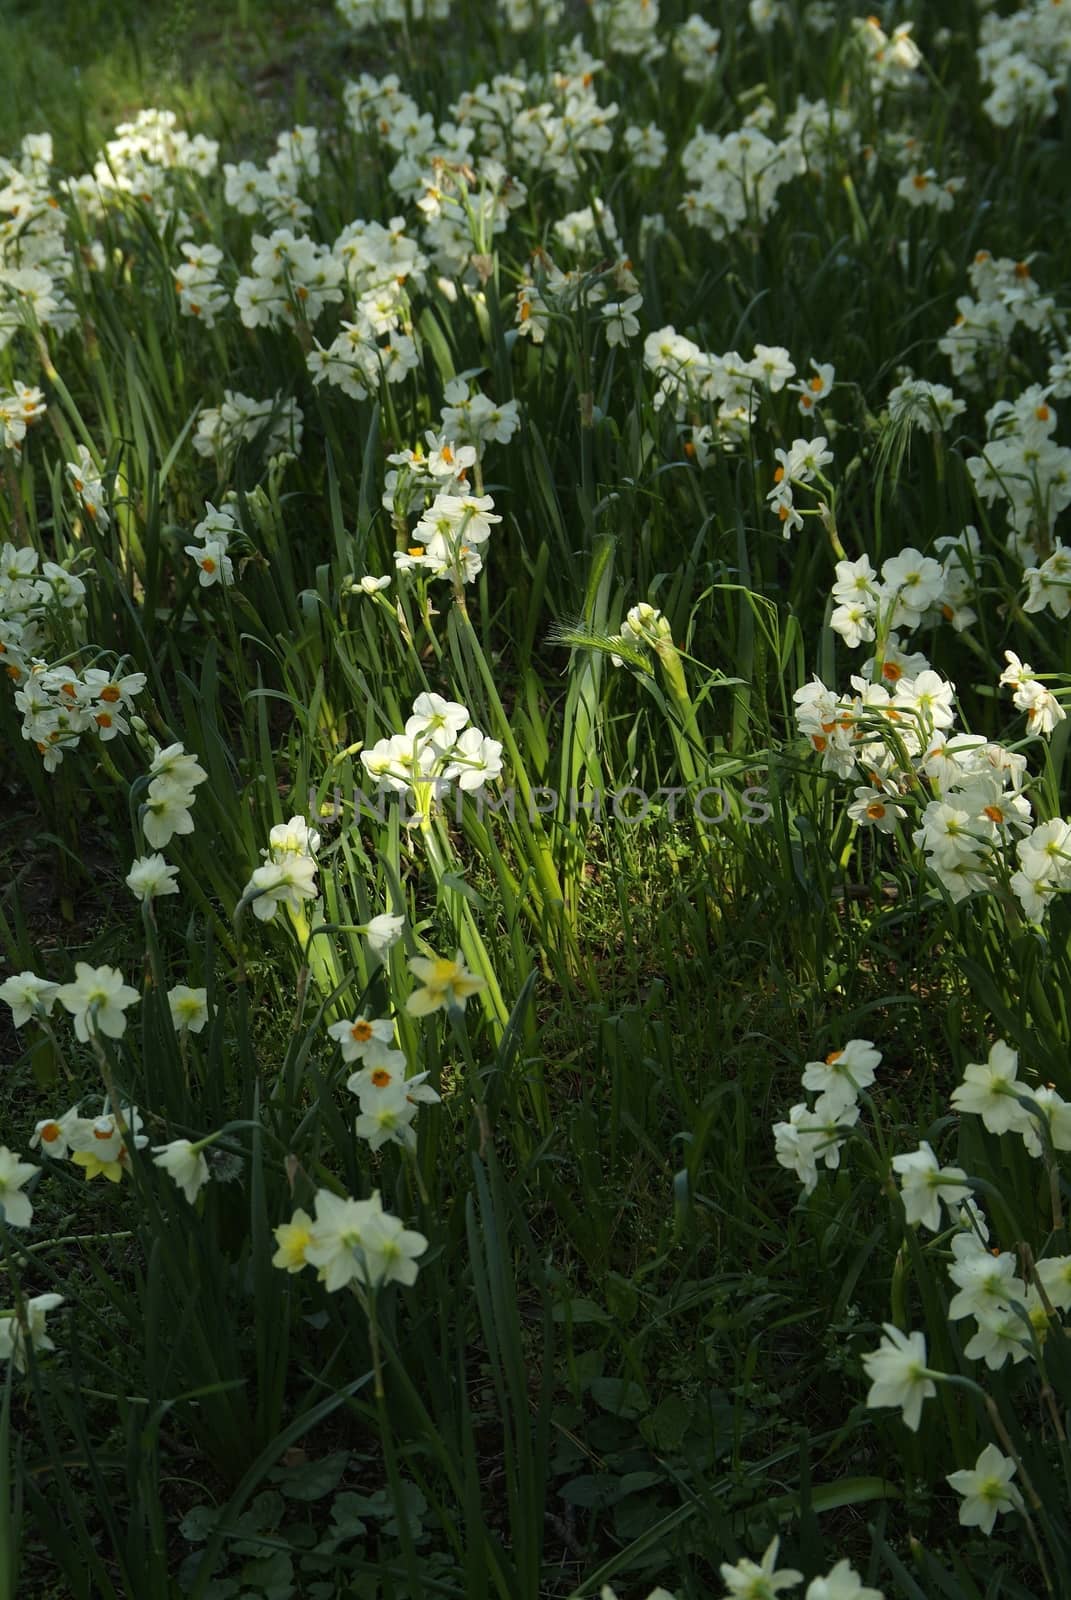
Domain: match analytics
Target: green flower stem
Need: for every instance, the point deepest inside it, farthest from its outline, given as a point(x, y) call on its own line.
point(441, 859)
point(542, 856)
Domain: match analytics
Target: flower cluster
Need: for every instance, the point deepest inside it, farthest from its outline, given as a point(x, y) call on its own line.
point(1005, 296)
point(929, 406)
point(548, 291)
point(288, 875)
point(100, 1145)
point(349, 1242)
point(58, 703)
point(644, 628)
point(1012, 1312)
point(151, 162)
point(549, 123)
point(291, 280)
point(923, 188)
point(438, 747)
point(36, 265)
point(797, 468)
point(87, 481)
point(736, 178)
point(820, 1131)
point(197, 284)
point(274, 191)
point(732, 387)
point(763, 1580)
point(41, 607)
point(274, 425)
point(166, 810)
point(891, 60)
point(20, 408)
point(362, 14)
point(1043, 709)
point(376, 344)
point(453, 524)
point(1023, 60)
point(1023, 469)
point(213, 535)
point(388, 1097)
point(968, 790)
point(993, 1091)
point(750, 1580)
point(913, 591)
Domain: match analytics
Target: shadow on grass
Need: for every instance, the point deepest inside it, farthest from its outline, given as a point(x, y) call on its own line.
point(232, 68)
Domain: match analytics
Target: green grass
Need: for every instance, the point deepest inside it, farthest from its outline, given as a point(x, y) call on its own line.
point(241, 68)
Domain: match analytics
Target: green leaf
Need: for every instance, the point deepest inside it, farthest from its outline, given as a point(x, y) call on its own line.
point(312, 1480)
point(619, 1396)
point(198, 1523)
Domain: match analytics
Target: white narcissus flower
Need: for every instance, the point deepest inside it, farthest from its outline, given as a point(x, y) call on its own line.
point(293, 838)
point(15, 1205)
point(898, 1373)
point(174, 767)
point(391, 1250)
point(28, 996)
point(150, 877)
point(872, 808)
point(337, 1237)
point(278, 883)
point(913, 579)
point(620, 321)
point(797, 1145)
point(747, 1581)
point(213, 562)
point(1055, 1276)
point(606, 1593)
point(924, 1183)
point(189, 1008)
point(387, 1075)
point(52, 1135)
point(185, 1162)
point(987, 1489)
point(1043, 710)
point(16, 1329)
point(383, 932)
point(990, 1090)
point(771, 365)
point(1017, 673)
point(436, 721)
point(363, 1037)
point(445, 984)
point(101, 1145)
point(842, 1583)
point(387, 1118)
point(477, 760)
point(1055, 1112)
point(986, 1282)
point(843, 1073)
point(97, 1000)
point(1001, 1334)
point(165, 813)
point(292, 1239)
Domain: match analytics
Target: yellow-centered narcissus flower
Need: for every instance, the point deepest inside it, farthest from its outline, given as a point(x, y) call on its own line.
point(445, 984)
point(293, 1238)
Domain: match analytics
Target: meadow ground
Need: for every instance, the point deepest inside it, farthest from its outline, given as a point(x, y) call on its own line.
point(532, 924)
